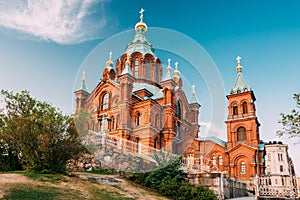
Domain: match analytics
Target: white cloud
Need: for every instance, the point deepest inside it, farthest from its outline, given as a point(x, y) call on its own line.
point(61, 21)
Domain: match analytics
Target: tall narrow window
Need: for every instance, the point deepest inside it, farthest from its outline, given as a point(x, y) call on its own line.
point(137, 140)
point(281, 168)
point(105, 100)
point(178, 108)
point(138, 119)
point(245, 108)
point(214, 161)
point(178, 130)
point(220, 160)
point(243, 168)
point(136, 68)
point(235, 109)
point(147, 68)
point(241, 134)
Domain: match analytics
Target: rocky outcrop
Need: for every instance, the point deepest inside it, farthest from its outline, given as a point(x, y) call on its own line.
point(86, 162)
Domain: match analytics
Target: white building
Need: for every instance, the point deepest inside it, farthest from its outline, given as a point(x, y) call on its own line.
point(280, 177)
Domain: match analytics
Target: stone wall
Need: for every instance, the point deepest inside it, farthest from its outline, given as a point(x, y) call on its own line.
point(122, 161)
point(222, 187)
point(86, 162)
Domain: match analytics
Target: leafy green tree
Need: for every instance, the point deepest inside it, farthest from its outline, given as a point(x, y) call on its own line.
point(291, 122)
point(37, 133)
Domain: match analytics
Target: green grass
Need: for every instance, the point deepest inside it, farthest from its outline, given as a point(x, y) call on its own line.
point(26, 192)
point(52, 178)
point(105, 195)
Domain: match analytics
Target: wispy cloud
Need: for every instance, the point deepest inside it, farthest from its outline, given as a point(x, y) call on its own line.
point(61, 21)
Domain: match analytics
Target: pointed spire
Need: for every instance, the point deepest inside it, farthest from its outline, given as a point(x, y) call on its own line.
point(240, 83)
point(109, 63)
point(176, 72)
point(193, 97)
point(127, 69)
point(168, 75)
point(83, 86)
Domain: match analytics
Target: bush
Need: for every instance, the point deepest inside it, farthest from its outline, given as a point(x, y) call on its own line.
point(169, 181)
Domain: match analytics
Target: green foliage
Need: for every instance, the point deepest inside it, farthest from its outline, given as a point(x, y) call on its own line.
point(9, 161)
point(291, 122)
point(40, 136)
point(169, 182)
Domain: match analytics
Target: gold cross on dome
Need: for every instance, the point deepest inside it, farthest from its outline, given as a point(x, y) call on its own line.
point(238, 60)
point(142, 15)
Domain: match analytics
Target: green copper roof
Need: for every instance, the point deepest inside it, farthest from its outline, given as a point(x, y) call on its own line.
point(140, 44)
point(155, 91)
point(261, 147)
point(239, 85)
point(83, 86)
point(213, 139)
point(193, 98)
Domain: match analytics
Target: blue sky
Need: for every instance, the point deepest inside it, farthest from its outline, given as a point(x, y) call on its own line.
point(43, 44)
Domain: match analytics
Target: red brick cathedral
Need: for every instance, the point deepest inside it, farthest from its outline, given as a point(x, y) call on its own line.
point(135, 101)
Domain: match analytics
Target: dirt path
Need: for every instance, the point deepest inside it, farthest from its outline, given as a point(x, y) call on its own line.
point(83, 185)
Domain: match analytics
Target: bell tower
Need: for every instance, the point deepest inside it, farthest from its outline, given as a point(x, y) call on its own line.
point(242, 123)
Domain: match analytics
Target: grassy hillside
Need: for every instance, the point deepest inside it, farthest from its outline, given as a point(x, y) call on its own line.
point(31, 186)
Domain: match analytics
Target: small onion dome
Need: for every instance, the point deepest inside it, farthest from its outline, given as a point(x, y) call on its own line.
point(141, 24)
point(110, 63)
point(239, 68)
point(176, 72)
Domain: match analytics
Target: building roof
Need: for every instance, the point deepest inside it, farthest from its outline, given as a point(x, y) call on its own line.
point(140, 42)
point(193, 98)
point(213, 139)
point(240, 83)
point(155, 91)
point(261, 146)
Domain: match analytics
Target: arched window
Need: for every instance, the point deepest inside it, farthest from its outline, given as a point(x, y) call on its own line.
point(214, 161)
point(243, 168)
point(241, 134)
point(220, 160)
point(269, 157)
point(245, 108)
point(138, 119)
point(147, 68)
point(178, 108)
point(136, 67)
point(235, 109)
point(105, 101)
point(178, 130)
point(281, 168)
